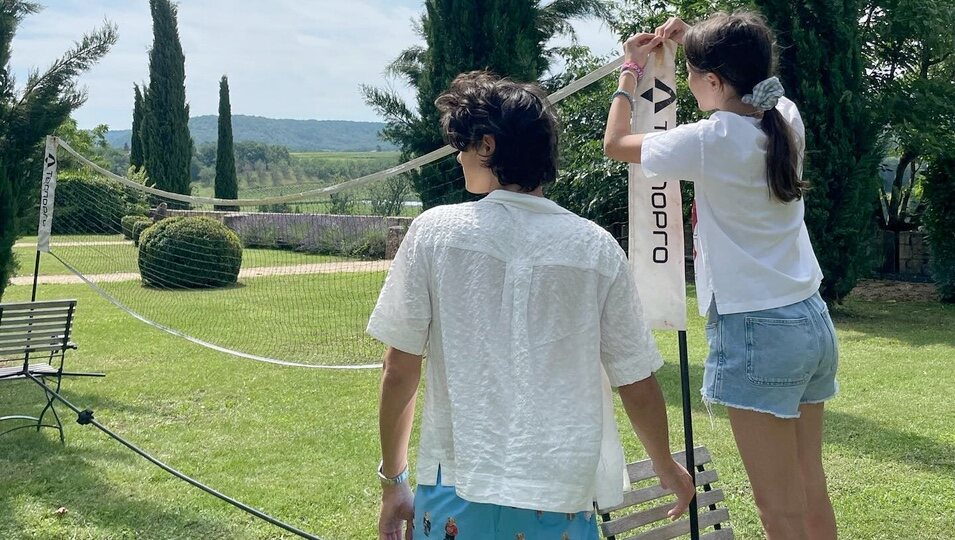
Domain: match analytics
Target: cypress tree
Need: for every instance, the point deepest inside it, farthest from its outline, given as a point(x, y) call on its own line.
point(165, 133)
point(8, 229)
point(226, 184)
point(503, 36)
point(461, 36)
point(822, 70)
point(940, 223)
point(136, 142)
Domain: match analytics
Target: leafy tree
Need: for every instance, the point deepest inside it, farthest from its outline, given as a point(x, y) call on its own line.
point(28, 114)
point(388, 197)
point(505, 36)
point(821, 67)
point(136, 142)
point(342, 203)
point(589, 184)
point(227, 184)
point(90, 144)
point(908, 48)
point(165, 133)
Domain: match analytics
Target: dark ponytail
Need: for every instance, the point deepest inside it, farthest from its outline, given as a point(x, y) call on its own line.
point(738, 48)
point(782, 158)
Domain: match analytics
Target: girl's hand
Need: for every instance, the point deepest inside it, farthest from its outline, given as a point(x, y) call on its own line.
point(637, 49)
point(673, 29)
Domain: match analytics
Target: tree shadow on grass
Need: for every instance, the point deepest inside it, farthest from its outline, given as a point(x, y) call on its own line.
point(23, 396)
point(40, 472)
point(858, 434)
point(879, 442)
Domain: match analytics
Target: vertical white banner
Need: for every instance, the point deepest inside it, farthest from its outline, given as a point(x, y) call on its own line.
point(656, 246)
point(47, 192)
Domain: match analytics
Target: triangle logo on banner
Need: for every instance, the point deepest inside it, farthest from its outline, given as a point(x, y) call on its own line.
point(50, 160)
point(668, 99)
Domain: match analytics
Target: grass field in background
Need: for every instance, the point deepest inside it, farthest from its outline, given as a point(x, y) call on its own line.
point(302, 444)
point(108, 259)
point(347, 156)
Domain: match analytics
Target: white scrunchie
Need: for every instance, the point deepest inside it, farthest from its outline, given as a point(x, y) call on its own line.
point(765, 95)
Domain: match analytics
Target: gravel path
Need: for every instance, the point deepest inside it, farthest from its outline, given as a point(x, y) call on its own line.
point(77, 244)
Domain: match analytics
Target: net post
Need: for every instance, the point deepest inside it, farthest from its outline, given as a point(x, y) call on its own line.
point(688, 430)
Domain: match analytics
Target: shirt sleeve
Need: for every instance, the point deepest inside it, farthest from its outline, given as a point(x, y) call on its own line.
point(402, 316)
point(675, 154)
point(627, 348)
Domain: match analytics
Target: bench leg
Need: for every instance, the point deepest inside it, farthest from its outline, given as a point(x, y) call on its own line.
point(49, 406)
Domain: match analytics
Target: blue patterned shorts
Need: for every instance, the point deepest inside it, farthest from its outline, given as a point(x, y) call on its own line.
point(441, 515)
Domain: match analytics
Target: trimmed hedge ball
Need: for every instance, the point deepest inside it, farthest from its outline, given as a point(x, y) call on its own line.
point(129, 221)
point(138, 228)
point(189, 253)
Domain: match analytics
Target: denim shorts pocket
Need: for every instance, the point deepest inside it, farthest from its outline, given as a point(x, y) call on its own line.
point(781, 352)
point(712, 336)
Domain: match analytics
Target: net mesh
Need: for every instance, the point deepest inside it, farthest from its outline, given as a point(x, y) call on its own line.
point(287, 273)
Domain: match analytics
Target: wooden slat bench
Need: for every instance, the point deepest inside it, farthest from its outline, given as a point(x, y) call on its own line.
point(642, 507)
point(37, 330)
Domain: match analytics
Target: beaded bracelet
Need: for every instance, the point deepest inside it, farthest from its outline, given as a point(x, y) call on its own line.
point(632, 67)
point(625, 94)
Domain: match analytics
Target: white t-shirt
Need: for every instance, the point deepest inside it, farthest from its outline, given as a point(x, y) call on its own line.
point(522, 307)
point(752, 251)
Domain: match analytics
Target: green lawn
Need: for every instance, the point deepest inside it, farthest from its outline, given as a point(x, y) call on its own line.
point(302, 444)
point(108, 259)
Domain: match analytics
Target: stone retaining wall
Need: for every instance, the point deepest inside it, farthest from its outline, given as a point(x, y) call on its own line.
point(905, 255)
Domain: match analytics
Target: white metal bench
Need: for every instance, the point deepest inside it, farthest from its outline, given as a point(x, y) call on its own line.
point(33, 337)
point(636, 518)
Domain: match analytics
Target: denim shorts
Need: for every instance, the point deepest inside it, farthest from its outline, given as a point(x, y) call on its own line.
point(439, 514)
point(773, 360)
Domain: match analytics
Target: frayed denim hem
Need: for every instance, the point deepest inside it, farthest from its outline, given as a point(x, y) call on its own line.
point(816, 401)
point(710, 401)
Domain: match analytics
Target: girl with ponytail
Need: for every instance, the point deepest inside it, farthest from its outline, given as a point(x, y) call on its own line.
point(773, 350)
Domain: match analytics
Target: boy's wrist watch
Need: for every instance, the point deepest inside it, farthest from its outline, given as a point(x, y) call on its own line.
point(392, 480)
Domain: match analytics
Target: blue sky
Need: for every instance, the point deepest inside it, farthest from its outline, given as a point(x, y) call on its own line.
point(284, 58)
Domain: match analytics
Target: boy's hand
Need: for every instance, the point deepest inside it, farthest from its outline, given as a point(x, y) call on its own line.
point(397, 512)
point(637, 49)
point(675, 478)
point(674, 29)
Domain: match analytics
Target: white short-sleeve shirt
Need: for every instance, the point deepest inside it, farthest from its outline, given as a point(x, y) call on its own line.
point(752, 251)
point(524, 310)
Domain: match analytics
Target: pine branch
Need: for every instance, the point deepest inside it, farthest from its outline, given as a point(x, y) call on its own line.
point(388, 104)
point(409, 65)
point(555, 16)
point(87, 52)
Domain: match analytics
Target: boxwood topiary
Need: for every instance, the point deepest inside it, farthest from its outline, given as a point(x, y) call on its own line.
point(138, 228)
point(189, 253)
point(128, 222)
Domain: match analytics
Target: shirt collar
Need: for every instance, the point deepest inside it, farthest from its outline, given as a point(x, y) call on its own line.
point(531, 203)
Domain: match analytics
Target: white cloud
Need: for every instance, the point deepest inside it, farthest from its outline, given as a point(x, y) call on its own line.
point(284, 58)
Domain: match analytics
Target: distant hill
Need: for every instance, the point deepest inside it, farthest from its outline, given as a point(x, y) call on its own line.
point(296, 135)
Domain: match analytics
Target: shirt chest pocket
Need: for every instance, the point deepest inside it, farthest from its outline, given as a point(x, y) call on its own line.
point(562, 303)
